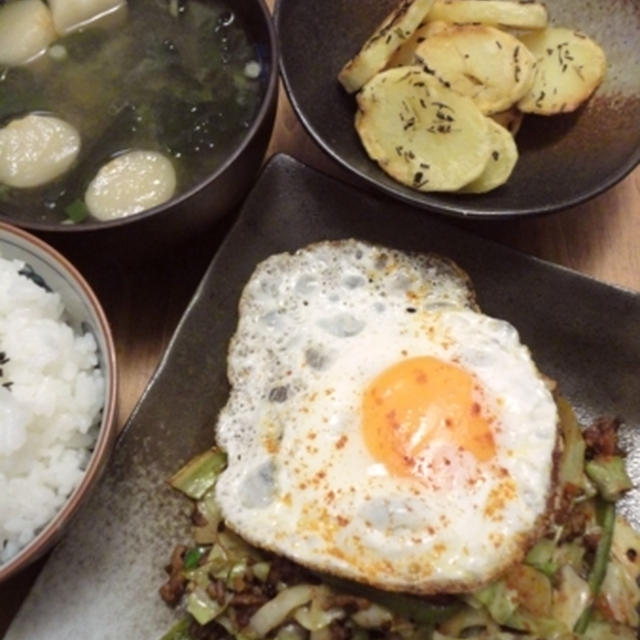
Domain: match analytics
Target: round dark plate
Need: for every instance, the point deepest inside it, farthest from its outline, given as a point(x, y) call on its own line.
point(564, 159)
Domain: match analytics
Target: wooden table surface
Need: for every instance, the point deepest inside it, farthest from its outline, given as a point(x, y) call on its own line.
point(600, 238)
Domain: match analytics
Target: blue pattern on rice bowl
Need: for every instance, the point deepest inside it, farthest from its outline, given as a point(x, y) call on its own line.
point(51, 397)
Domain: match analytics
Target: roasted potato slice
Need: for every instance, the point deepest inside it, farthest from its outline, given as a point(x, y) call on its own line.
point(406, 53)
point(511, 119)
point(396, 28)
point(569, 67)
point(421, 133)
point(504, 155)
point(518, 15)
point(489, 65)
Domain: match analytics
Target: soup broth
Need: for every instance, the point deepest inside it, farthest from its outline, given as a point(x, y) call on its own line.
point(179, 77)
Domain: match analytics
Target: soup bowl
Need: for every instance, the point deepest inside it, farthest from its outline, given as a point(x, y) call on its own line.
point(51, 457)
point(203, 98)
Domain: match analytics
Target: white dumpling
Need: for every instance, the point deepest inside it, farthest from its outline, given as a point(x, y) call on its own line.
point(69, 15)
point(130, 183)
point(26, 30)
point(36, 149)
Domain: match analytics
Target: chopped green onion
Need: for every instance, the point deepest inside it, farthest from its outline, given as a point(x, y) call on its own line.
point(203, 608)
point(192, 557)
point(77, 211)
point(541, 557)
point(200, 473)
point(609, 475)
point(571, 467)
point(599, 568)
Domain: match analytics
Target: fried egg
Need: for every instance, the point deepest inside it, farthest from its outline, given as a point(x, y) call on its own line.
point(379, 427)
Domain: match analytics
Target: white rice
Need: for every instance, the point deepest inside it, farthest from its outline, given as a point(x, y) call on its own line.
point(51, 395)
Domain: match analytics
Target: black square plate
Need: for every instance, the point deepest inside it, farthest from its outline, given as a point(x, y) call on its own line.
point(102, 580)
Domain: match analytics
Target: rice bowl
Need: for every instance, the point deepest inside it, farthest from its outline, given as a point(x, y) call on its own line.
point(57, 395)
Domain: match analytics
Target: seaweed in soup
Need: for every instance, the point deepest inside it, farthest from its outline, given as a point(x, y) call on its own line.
point(170, 77)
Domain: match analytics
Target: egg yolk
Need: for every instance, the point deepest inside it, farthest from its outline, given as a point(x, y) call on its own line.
point(420, 402)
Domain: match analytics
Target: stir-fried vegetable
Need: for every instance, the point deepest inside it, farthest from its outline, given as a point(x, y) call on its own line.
point(609, 475)
point(199, 474)
point(596, 576)
point(578, 581)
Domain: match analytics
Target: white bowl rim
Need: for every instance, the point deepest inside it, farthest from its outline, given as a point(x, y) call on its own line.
point(108, 428)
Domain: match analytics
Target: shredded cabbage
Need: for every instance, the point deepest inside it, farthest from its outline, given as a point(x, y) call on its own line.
point(578, 582)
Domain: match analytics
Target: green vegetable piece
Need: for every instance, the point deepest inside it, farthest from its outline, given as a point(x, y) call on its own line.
point(609, 474)
point(599, 568)
point(602, 630)
point(499, 600)
point(192, 557)
point(539, 626)
point(179, 631)
point(571, 554)
point(571, 467)
point(467, 621)
point(237, 572)
point(200, 473)
point(261, 570)
point(77, 211)
point(541, 557)
point(203, 608)
point(218, 562)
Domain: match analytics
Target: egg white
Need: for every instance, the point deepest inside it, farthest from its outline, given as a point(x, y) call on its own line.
point(314, 329)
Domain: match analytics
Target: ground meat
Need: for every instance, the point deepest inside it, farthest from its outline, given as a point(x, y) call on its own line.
point(243, 615)
point(563, 511)
point(173, 590)
point(176, 562)
point(349, 603)
point(197, 519)
point(590, 541)
point(338, 631)
point(210, 631)
point(283, 570)
point(217, 591)
point(574, 524)
point(251, 598)
point(601, 437)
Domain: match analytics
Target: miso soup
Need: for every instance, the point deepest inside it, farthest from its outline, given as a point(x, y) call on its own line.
point(179, 77)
